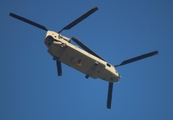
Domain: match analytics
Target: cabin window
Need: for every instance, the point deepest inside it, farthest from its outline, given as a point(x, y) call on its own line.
point(79, 62)
point(108, 65)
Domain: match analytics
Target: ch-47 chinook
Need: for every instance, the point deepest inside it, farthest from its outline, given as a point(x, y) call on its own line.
point(84, 60)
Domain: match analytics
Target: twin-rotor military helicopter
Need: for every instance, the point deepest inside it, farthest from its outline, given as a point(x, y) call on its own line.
point(84, 60)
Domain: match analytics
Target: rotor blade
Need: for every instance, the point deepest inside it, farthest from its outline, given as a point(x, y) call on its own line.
point(59, 69)
point(109, 99)
point(77, 41)
point(28, 21)
point(138, 58)
point(78, 20)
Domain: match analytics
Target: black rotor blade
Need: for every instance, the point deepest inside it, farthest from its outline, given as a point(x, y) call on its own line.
point(109, 99)
point(59, 68)
point(78, 20)
point(77, 41)
point(28, 21)
point(138, 58)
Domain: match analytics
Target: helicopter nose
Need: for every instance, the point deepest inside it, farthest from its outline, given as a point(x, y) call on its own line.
point(48, 41)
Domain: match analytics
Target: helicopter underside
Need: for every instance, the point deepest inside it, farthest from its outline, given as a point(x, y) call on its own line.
point(82, 61)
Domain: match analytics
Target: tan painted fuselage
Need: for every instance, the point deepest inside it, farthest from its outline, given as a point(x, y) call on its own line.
point(61, 49)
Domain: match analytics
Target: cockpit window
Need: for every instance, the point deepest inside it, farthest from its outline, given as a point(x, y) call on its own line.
point(49, 40)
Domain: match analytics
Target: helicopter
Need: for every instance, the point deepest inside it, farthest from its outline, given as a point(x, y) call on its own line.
point(82, 59)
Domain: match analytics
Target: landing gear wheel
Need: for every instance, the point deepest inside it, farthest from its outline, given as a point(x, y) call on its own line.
point(87, 76)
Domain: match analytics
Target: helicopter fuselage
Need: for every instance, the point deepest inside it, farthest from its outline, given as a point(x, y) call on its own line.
point(62, 50)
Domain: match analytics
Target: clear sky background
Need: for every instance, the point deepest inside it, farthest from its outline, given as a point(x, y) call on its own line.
point(30, 88)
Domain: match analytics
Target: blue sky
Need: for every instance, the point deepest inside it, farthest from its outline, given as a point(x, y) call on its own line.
point(120, 29)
